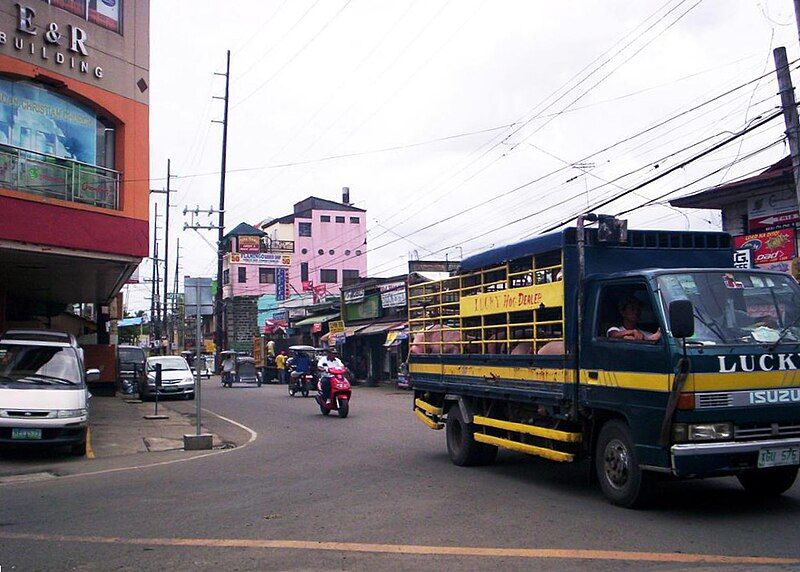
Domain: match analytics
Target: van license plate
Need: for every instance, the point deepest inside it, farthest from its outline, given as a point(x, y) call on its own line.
point(778, 457)
point(19, 433)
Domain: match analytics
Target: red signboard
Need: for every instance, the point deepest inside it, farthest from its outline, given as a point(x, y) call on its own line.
point(249, 244)
point(768, 247)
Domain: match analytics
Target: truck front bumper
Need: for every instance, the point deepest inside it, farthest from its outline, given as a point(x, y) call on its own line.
point(720, 458)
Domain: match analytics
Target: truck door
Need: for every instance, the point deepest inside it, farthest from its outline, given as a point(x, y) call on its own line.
point(623, 348)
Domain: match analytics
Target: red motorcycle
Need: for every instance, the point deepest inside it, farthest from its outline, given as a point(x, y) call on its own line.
point(340, 393)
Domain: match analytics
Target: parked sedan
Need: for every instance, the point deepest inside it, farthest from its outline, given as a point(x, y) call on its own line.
point(176, 378)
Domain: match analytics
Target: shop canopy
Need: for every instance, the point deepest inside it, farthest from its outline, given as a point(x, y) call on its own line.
point(380, 328)
point(316, 320)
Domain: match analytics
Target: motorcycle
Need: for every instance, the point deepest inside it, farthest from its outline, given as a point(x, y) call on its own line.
point(300, 383)
point(340, 393)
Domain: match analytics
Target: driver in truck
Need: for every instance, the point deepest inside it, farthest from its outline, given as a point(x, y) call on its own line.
point(630, 310)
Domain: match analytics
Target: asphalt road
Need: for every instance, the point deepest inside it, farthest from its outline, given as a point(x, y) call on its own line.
point(373, 491)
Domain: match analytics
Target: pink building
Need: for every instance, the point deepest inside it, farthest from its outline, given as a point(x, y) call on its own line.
point(329, 242)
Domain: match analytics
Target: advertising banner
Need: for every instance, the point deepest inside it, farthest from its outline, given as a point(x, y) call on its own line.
point(261, 258)
point(105, 13)
point(773, 209)
point(249, 244)
point(280, 284)
point(368, 308)
point(336, 327)
point(518, 299)
point(36, 119)
point(354, 295)
point(768, 247)
point(743, 258)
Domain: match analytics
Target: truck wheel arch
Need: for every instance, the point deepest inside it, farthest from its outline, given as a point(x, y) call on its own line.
point(465, 406)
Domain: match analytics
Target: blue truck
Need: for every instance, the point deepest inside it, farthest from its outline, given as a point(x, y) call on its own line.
point(643, 351)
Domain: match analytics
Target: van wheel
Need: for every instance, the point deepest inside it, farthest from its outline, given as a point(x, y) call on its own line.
point(464, 450)
point(622, 481)
point(768, 482)
point(78, 450)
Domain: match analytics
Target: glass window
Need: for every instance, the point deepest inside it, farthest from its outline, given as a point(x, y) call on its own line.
point(625, 313)
point(242, 271)
point(340, 219)
point(36, 367)
point(226, 276)
point(266, 276)
point(75, 6)
point(304, 228)
point(331, 252)
point(320, 252)
point(349, 276)
point(325, 218)
point(347, 253)
point(354, 220)
point(327, 276)
point(304, 251)
point(304, 271)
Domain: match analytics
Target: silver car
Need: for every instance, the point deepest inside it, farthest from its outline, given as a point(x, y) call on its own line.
point(176, 378)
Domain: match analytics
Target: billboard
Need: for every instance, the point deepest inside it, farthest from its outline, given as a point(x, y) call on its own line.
point(36, 119)
point(772, 210)
point(768, 247)
point(106, 13)
point(249, 244)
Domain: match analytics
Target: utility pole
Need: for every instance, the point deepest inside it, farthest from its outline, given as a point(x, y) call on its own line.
point(153, 321)
point(221, 222)
point(175, 292)
point(789, 111)
point(167, 192)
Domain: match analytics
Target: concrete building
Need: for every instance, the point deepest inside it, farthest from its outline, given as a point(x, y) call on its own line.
point(761, 213)
point(327, 243)
point(74, 153)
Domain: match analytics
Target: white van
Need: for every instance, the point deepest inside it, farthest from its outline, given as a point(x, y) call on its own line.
point(43, 394)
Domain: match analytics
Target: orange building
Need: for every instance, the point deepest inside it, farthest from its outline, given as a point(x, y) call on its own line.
point(74, 152)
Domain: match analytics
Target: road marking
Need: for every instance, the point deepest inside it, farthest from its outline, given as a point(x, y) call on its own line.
point(253, 437)
point(414, 549)
point(89, 450)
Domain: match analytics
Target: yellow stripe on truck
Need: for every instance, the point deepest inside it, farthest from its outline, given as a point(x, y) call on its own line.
point(524, 448)
point(528, 429)
point(427, 420)
point(425, 406)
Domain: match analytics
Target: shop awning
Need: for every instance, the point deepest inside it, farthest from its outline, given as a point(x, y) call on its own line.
point(316, 320)
point(380, 328)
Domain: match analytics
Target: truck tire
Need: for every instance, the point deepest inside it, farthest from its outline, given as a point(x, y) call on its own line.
point(621, 479)
point(768, 482)
point(462, 447)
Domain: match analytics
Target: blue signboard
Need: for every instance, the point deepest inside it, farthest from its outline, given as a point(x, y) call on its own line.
point(280, 284)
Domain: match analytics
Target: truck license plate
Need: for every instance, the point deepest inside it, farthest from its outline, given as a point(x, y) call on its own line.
point(20, 433)
point(778, 457)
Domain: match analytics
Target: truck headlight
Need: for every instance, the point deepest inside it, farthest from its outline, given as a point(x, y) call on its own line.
point(683, 432)
point(67, 413)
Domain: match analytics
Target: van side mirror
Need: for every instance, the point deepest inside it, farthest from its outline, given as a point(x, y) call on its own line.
point(92, 375)
point(681, 318)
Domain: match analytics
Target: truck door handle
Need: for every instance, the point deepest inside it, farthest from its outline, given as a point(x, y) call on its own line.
point(593, 375)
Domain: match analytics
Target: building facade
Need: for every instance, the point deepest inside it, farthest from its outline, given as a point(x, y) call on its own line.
point(74, 152)
point(761, 213)
point(327, 241)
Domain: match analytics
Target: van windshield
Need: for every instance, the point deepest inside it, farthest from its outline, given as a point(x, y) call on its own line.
point(34, 366)
point(737, 307)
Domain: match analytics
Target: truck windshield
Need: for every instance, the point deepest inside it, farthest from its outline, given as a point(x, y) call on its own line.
point(737, 307)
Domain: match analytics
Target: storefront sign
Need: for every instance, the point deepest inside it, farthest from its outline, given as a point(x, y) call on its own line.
point(282, 315)
point(64, 45)
point(768, 247)
point(354, 295)
point(337, 339)
point(743, 258)
point(281, 284)
point(772, 210)
point(394, 298)
point(278, 245)
point(308, 285)
point(336, 327)
point(249, 244)
point(514, 300)
point(392, 286)
point(260, 258)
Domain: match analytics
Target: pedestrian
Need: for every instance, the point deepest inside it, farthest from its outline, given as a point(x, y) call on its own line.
point(280, 363)
point(228, 367)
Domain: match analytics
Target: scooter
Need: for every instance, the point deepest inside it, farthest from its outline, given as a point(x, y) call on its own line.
point(300, 383)
point(340, 393)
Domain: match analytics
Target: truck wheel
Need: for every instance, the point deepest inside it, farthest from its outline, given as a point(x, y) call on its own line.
point(464, 450)
point(621, 479)
point(768, 482)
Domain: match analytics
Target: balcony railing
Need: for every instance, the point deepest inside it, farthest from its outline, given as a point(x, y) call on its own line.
point(49, 176)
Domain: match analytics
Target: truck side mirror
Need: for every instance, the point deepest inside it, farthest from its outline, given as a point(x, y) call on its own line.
point(92, 375)
point(681, 318)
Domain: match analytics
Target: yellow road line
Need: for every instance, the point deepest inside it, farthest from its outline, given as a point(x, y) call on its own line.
point(89, 450)
point(413, 549)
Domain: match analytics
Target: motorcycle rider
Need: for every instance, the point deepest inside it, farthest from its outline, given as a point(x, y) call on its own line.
point(329, 360)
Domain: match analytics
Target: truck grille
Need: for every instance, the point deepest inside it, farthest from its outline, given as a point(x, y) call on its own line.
point(717, 399)
point(27, 414)
point(766, 430)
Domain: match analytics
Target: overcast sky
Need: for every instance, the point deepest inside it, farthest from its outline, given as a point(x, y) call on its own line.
point(446, 107)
